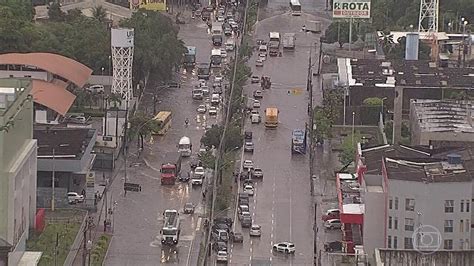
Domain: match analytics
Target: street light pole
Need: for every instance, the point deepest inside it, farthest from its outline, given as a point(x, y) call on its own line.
point(353, 129)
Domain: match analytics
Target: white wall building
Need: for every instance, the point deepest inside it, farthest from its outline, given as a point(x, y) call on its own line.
point(18, 169)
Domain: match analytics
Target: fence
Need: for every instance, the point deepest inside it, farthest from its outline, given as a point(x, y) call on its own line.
point(76, 244)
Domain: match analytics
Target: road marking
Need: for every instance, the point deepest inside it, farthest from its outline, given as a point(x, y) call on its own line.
point(198, 225)
point(186, 238)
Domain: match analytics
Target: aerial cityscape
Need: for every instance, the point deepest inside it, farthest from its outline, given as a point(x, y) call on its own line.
point(238, 132)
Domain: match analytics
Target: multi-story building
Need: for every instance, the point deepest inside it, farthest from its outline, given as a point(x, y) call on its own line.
point(441, 122)
point(18, 152)
point(412, 198)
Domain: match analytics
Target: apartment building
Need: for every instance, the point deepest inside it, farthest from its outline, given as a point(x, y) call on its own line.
point(410, 193)
point(18, 151)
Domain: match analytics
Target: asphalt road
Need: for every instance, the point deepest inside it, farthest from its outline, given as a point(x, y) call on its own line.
point(282, 204)
point(138, 217)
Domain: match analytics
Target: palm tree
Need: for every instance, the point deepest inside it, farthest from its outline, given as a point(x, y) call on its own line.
point(387, 41)
point(99, 13)
point(115, 99)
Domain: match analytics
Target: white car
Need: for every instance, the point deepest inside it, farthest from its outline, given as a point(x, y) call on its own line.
point(199, 171)
point(243, 215)
point(74, 197)
point(212, 110)
point(248, 164)
point(222, 256)
point(255, 230)
point(202, 109)
point(259, 63)
point(285, 247)
point(220, 19)
point(218, 78)
point(262, 56)
point(96, 88)
point(256, 104)
point(234, 25)
point(333, 224)
point(249, 190)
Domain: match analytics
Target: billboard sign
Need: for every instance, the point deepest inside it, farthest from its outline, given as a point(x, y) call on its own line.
point(154, 5)
point(351, 9)
point(122, 37)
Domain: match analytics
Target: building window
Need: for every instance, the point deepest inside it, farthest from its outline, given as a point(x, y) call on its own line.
point(408, 243)
point(390, 222)
point(395, 223)
point(449, 206)
point(396, 203)
point(409, 204)
point(390, 203)
point(409, 224)
point(448, 226)
point(448, 244)
point(462, 206)
point(395, 242)
point(467, 206)
point(389, 242)
point(461, 225)
point(468, 225)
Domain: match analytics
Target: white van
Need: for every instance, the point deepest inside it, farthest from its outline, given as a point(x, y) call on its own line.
point(185, 146)
point(215, 99)
point(229, 45)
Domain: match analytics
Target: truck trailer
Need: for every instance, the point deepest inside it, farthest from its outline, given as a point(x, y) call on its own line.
point(298, 142)
point(289, 41)
point(171, 227)
point(271, 117)
point(170, 168)
point(274, 43)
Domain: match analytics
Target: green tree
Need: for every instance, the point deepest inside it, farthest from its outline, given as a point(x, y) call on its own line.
point(212, 137)
point(141, 125)
point(55, 13)
point(233, 138)
point(99, 13)
point(373, 101)
point(157, 47)
point(323, 124)
point(337, 31)
point(349, 147)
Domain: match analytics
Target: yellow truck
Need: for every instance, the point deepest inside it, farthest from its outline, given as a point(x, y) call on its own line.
point(271, 117)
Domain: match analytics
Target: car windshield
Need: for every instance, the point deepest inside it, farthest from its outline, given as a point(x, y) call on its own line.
point(169, 232)
point(167, 170)
point(291, 245)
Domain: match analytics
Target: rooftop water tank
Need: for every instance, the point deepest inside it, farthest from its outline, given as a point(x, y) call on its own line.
point(412, 44)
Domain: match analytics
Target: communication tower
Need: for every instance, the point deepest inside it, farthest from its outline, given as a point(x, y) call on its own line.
point(428, 19)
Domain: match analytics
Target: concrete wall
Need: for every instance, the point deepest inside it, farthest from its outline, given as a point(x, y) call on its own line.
point(373, 231)
point(429, 208)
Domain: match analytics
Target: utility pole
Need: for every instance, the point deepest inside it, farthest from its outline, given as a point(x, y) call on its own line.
point(125, 148)
point(53, 196)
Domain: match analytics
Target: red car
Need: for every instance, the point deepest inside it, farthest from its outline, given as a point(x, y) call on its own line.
point(331, 214)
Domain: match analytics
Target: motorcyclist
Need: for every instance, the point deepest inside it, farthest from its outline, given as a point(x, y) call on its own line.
point(186, 122)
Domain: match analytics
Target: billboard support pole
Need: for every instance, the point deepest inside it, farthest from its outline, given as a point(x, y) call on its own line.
point(350, 34)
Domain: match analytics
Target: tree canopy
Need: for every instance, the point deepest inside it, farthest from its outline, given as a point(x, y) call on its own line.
point(87, 39)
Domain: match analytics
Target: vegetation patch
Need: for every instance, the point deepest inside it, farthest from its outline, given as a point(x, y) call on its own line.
point(100, 249)
point(55, 242)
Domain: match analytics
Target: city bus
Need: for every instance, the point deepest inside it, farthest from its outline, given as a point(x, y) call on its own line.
point(164, 122)
point(295, 7)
